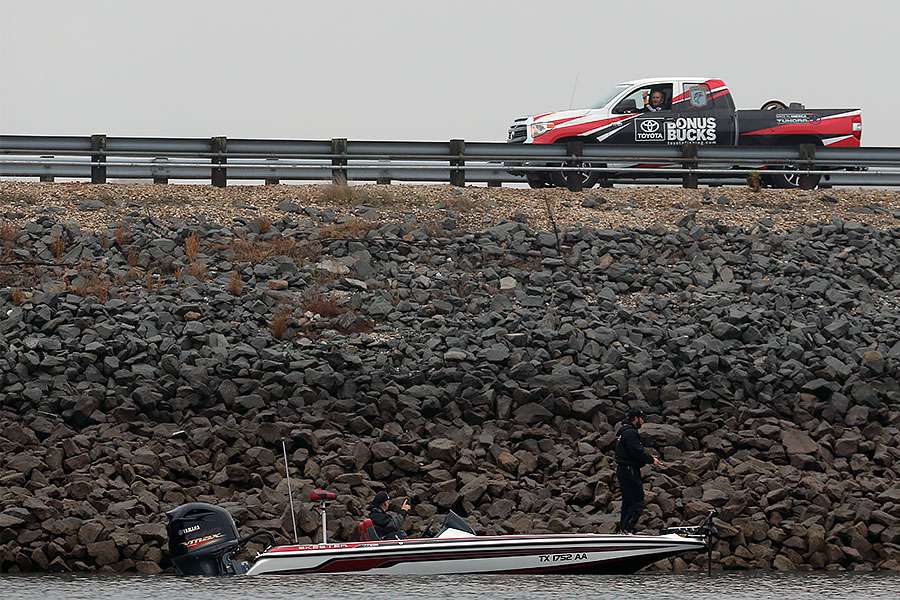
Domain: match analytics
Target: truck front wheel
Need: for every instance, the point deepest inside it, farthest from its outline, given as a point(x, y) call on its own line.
point(538, 181)
point(774, 105)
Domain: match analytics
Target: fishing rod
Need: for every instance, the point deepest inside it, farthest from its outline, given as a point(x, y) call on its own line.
point(287, 475)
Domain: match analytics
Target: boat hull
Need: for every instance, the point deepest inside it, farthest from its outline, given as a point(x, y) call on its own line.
point(584, 554)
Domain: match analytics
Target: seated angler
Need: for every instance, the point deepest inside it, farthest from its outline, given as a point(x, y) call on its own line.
point(387, 526)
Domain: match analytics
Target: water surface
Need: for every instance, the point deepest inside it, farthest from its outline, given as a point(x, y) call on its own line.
point(732, 586)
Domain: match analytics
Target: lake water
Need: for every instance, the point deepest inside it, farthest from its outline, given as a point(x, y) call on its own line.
point(732, 586)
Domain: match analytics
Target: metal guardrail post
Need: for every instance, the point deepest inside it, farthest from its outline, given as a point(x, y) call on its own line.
point(339, 162)
point(458, 174)
point(98, 145)
point(219, 146)
point(272, 180)
point(574, 180)
point(689, 153)
point(160, 179)
point(808, 156)
point(47, 178)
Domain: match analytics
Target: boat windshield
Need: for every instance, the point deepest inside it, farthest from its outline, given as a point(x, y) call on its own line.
point(609, 96)
point(454, 521)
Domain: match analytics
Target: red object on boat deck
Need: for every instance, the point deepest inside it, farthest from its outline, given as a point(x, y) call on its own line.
point(320, 495)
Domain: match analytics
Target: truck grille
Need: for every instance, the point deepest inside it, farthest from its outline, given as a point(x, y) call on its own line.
point(517, 133)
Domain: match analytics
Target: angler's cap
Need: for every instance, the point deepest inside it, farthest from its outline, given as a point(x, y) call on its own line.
point(635, 412)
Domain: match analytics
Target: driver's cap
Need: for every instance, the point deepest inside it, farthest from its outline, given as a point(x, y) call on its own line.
point(380, 498)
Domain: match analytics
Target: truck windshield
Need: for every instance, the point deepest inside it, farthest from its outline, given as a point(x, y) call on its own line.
point(612, 94)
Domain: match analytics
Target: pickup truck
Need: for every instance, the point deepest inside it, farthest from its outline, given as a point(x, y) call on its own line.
point(685, 110)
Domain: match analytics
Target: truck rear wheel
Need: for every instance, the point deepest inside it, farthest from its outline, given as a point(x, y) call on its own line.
point(588, 178)
point(793, 181)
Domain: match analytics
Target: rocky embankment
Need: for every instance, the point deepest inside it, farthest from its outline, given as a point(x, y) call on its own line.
point(155, 360)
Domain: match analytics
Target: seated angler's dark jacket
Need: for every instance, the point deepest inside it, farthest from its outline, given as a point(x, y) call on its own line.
point(629, 449)
point(387, 526)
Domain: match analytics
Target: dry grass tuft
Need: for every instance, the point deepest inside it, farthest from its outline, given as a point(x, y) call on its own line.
point(9, 233)
point(235, 283)
point(17, 296)
point(245, 250)
point(122, 236)
point(458, 203)
point(192, 247)
point(358, 326)
point(133, 258)
point(321, 304)
point(336, 194)
point(150, 281)
point(321, 278)
point(353, 229)
point(345, 195)
point(524, 263)
point(94, 285)
point(434, 230)
point(755, 181)
point(58, 246)
point(281, 320)
point(263, 224)
point(198, 270)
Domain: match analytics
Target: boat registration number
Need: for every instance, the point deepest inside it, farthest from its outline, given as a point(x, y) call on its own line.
point(563, 557)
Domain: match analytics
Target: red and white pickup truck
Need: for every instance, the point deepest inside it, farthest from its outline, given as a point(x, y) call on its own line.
point(685, 110)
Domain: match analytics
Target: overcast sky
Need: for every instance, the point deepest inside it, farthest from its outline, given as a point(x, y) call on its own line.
point(421, 69)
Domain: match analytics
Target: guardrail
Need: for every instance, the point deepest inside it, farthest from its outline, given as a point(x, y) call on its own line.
point(219, 160)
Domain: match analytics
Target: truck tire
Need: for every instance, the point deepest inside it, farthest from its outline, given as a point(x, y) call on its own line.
point(774, 105)
point(588, 178)
point(793, 182)
point(537, 181)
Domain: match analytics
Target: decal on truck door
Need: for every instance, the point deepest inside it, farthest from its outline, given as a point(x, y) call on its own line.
point(650, 130)
point(676, 130)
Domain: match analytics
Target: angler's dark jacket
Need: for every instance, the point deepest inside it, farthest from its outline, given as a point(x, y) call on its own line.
point(387, 526)
point(629, 449)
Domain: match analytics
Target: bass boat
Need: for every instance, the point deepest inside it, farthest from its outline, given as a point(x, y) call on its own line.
point(203, 540)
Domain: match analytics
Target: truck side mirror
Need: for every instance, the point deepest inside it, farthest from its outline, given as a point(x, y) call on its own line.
point(625, 107)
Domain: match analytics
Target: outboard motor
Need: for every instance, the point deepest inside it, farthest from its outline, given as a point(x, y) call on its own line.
point(203, 539)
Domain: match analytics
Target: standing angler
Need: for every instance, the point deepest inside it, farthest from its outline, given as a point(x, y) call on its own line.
point(630, 457)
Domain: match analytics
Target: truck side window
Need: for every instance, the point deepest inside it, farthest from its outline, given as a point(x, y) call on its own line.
point(698, 97)
point(640, 99)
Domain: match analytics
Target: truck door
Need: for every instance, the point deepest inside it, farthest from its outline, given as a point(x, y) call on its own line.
point(699, 118)
point(640, 117)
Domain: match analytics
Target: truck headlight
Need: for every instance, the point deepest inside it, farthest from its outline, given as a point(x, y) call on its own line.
point(539, 129)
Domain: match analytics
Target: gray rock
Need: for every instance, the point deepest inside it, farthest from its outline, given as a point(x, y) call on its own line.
point(508, 283)
point(656, 434)
point(497, 353)
point(798, 442)
point(532, 413)
point(289, 206)
point(443, 449)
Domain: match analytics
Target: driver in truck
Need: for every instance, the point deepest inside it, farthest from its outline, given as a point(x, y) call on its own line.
point(657, 101)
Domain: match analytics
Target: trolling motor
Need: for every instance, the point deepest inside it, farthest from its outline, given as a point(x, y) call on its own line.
point(707, 530)
point(323, 497)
